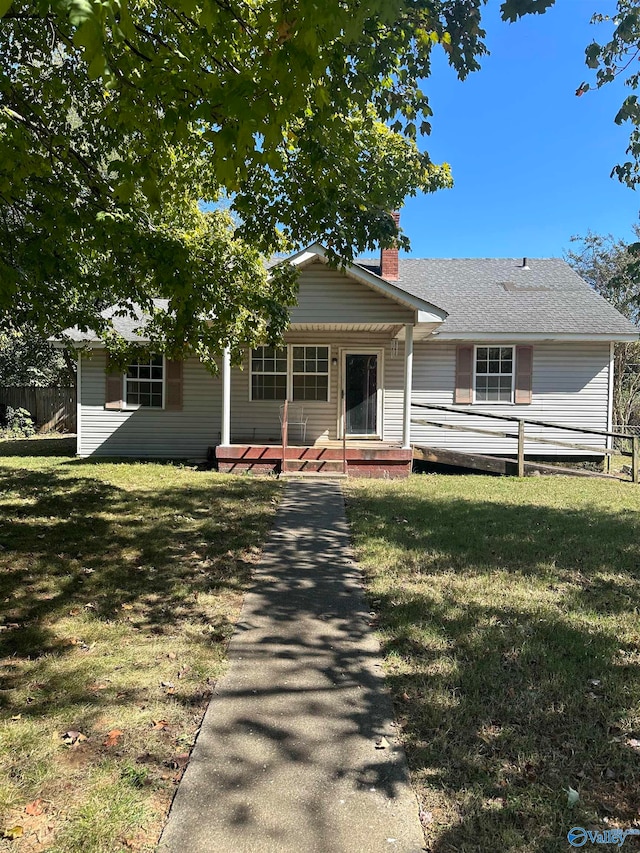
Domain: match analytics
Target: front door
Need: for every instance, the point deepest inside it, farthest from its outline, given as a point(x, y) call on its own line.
point(361, 394)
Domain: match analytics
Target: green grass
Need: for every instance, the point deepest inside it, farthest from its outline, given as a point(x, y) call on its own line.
point(120, 585)
point(509, 618)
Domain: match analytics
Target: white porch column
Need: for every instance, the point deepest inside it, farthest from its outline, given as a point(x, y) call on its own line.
point(225, 434)
point(408, 381)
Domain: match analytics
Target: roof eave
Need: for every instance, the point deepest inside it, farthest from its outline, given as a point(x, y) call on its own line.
point(622, 337)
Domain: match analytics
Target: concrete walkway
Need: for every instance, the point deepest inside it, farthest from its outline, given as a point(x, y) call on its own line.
point(286, 760)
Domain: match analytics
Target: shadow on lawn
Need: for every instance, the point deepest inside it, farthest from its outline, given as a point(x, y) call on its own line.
point(514, 632)
point(39, 446)
point(74, 545)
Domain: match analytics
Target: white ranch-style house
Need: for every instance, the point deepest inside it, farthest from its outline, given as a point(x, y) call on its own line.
point(366, 347)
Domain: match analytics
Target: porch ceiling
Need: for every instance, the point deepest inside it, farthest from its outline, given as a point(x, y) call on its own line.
point(392, 329)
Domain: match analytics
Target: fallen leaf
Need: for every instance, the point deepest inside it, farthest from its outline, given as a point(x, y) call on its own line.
point(167, 684)
point(426, 818)
point(183, 671)
point(113, 737)
point(572, 797)
point(382, 743)
point(405, 697)
point(16, 717)
point(13, 832)
point(127, 607)
point(634, 743)
point(172, 656)
point(180, 760)
point(34, 808)
point(72, 737)
point(159, 724)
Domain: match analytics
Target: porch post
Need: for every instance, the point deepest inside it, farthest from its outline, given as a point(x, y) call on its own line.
point(225, 433)
point(408, 381)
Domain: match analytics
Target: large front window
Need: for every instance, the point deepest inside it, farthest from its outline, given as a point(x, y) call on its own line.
point(310, 372)
point(494, 375)
point(269, 373)
point(299, 373)
point(144, 381)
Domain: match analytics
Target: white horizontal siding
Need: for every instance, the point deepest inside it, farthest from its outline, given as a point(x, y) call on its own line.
point(259, 420)
point(328, 296)
point(570, 386)
point(149, 432)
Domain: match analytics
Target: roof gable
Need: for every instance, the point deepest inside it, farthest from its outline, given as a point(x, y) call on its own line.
point(426, 310)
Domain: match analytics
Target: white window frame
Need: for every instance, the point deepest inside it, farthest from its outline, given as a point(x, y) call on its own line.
point(126, 379)
point(289, 374)
point(305, 373)
point(509, 402)
point(253, 373)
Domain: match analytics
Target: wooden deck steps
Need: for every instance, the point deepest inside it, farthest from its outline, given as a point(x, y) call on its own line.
point(314, 475)
point(496, 464)
point(373, 459)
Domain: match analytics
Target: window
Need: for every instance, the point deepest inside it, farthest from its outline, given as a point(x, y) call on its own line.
point(310, 372)
point(144, 382)
point(269, 373)
point(494, 375)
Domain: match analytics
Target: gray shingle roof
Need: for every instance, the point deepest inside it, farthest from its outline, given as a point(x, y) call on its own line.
point(493, 295)
point(129, 326)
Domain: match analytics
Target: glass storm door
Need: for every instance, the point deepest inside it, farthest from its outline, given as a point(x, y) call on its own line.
point(361, 393)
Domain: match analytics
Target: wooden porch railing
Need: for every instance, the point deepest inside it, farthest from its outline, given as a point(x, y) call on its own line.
point(521, 437)
point(285, 430)
point(285, 436)
point(344, 433)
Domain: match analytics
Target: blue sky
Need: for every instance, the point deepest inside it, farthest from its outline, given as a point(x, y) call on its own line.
point(530, 160)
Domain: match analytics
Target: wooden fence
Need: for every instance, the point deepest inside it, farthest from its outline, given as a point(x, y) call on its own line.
point(50, 408)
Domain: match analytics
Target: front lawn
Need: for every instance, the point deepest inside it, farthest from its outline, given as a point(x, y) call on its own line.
point(509, 616)
point(120, 584)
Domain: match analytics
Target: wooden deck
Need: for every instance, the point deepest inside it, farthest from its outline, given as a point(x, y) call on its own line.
point(363, 459)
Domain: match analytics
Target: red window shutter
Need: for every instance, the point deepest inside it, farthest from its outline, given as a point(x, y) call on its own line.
point(464, 375)
point(113, 386)
point(524, 375)
point(173, 386)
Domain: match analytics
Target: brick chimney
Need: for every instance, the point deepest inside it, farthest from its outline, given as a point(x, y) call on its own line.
point(389, 257)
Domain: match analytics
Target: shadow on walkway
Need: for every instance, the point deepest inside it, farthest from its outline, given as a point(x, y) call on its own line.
point(289, 758)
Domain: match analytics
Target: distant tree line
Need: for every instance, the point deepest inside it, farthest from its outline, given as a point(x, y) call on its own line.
point(612, 268)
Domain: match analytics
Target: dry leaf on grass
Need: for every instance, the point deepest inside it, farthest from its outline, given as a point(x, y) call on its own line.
point(112, 738)
point(13, 832)
point(35, 808)
point(72, 737)
point(159, 724)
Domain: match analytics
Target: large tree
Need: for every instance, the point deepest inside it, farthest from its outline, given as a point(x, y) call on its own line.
point(618, 58)
point(118, 117)
point(612, 268)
